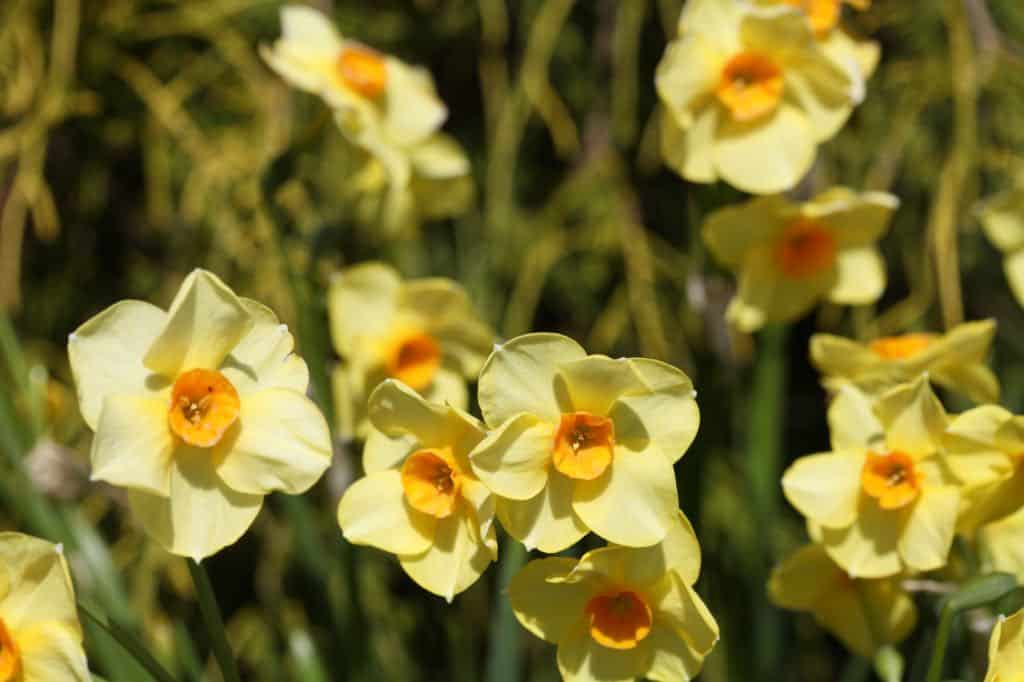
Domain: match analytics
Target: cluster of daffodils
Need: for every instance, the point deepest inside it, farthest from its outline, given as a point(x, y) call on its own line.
point(384, 107)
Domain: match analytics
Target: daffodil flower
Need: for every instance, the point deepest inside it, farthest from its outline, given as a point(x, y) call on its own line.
point(620, 613)
point(1006, 650)
point(954, 360)
point(199, 412)
point(582, 442)
point(884, 499)
point(749, 94)
point(864, 614)
point(788, 256)
point(419, 498)
point(422, 332)
point(40, 637)
point(1002, 219)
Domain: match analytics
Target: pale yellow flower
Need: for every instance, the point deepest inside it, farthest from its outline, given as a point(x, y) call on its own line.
point(620, 613)
point(582, 442)
point(1006, 650)
point(422, 332)
point(954, 360)
point(788, 257)
point(419, 498)
point(883, 500)
point(40, 638)
point(749, 94)
point(864, 614)
point(199, 411)
point(1002, 218)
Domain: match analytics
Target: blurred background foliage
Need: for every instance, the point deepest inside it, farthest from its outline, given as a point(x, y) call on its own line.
point(142, 138)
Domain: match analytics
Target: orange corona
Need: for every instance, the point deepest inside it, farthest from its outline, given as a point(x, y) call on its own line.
point(891, 479)
point(750, 86)
point(10, 657)
point(204, 405)
point(900, 347)
point(431, 480)
point(805, 249)
point(619, 619)
point(584, 444)
point(413, 359)
point(363, 70)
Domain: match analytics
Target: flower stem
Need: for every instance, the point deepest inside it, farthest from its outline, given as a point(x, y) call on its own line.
point(941, 639)
point(130, 643)
point(505, 661)
point(213, 621)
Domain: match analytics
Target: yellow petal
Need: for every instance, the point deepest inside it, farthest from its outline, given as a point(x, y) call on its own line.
point(869, 548)
point(548, 610)
point(381, 452)
point(281, 443)
point(593, 383)
point(686, 74)
point(682, 610)
point(445, 311)
point(396, 410)
point(414, 110)
point(765, 295)
point(39, 585)
point(133, 444)
point(892, 610)
point(674, 659)
point(718, 20)
point(805, 579)
point(439, 157)
point(634, 502)
point(1013, 266)
point(826, 112)
point(976, 381)
point(913, 417)
point(547, 521)
point(690, 152)
point(521, 375)
point(349, 402)
point(837, 356)
point(361, 303)
point(1006, 649)
point(856, 219)
point(581, 659)
point(455, 560)
point(309, 28)
point(449, 387)
point(1002, 218)
point(373, 511)
point(852, 422)
point(52, 652)
point(826, 487)
point(265, 358)
point(664, 415)
point(928, 535)
point(861, 276)
point(106, 355)
point(205, 322)
point(513, 460)
point(732, 232)
point(766, 156)
point(307, 51)
point(842, 613)
point(202, 515)
point(679, 552)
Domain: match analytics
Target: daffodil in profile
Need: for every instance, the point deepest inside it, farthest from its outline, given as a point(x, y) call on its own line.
point(864, 614)
point(1002, 219)
point(419, 498)
point(1006, 650)
point(40, 637)
point(954, 360)
point(789, 256)
point(883, 500)
point(620, 613)
point(582, 442)
point(748, 95)
point(198, 411)
point(423, 332)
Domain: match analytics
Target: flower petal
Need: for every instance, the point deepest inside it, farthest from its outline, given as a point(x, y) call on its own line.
point(861, 276)
point(664, 414)
point(455, 560)
point(686, 614)
point(766, 295)
point(856, 219)
point(414, 110)
point(690, 152)
point(928, 535)
point(766, 156)
point(52, 651)
point(679, 552)
point(913, 417)
point(805, 578)
point(869, 548)
point(732, 232)
point(205, 322)
point(133, 444)
point(373, 511)
point(825, 487)
point(547, 521)
point(264, 357)
point(548, 610)
point(581, 659)
point(513, 460)
point(686, 75)
point(39, 585)
point(361, 303)
point(381, 452)
point(593, 383)
point(852, 422)
point(106, 355)
point(675, 660)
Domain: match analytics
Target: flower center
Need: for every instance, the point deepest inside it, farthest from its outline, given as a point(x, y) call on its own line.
point(619, 619)
point(823, 15)
point(805, 249)
point(363, 70)
point(204, 405)
point(10, 657)
point(413, 359)
point(431, 480)
point(584, 444)
point(750, 86)
point(891, 479)
point(900, 347)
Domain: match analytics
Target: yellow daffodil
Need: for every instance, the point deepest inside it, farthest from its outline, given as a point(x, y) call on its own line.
point(1006, 650)
point(620, 613)
point(422, 332)
point(954, 360)
point(749, 94)
point(884, 498)
point(199, 411)
point(582, 442)
point(1002, 218)
point(864, 614)
point(788, 256)
point(40, 638)
point(419, 498)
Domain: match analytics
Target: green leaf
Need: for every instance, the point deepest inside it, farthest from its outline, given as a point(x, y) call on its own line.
point(981, 590)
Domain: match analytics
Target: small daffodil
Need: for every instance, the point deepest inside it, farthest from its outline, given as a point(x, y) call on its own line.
point(1002, 218)
point(884, 499)
point(1006, 650)
point(582, 442)
point(954, 360)
point(864, 614)
point(422, 332)
point(749, 94)
point(198, 411)
point(788, 257)
point(620, 613)
point(419, 498)
point(40, 637)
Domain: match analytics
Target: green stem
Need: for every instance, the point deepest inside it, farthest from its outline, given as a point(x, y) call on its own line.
point(941, 639)
point(214, 623)
point(504, 663)
point(129, 643)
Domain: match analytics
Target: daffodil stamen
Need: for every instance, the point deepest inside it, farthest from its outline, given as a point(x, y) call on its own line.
point(413, 359)
point(432, 482)
point(750, 86)
point(619, 619)
point(891, 479)
point(805, 249)
point(901, 347)
point(10, 657)
point(584, 444)
point(204, 405)
point(363, 70)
